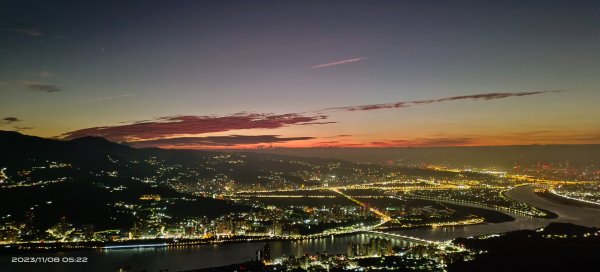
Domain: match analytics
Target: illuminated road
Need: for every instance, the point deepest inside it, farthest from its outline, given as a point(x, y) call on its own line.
point(384, 217)
point(596, 204)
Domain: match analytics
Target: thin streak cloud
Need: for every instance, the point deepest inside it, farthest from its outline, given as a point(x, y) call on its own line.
point(101, 99)
point(28, 32)
point(41, 87)
point(231, 140)
point(426, 142)
point(44, 74)
point(18, 128)
point(336, 63)
point(405, 104)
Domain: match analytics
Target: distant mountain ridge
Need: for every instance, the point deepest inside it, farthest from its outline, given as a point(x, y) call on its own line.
point(479, 156)
point(83, 179)
point(94, 155)
point(18, 149)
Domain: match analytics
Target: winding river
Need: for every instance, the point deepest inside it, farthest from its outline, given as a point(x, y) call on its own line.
point(589, 217)
point(186, 258)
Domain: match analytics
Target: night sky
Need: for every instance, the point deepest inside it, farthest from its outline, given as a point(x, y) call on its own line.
point(254, 74)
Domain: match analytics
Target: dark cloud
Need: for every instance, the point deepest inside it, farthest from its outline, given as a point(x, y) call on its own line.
point(29, 32)
point(231, 140)
point(41, 87)
point(9, 120)
point(171, 126)
point(338, 136)
point(404, 104)
point(265, 146)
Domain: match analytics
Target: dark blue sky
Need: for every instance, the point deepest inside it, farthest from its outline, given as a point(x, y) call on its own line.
point(67, 66)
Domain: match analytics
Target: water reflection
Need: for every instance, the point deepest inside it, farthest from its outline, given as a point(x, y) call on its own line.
point(568, 214)
point(187, 258)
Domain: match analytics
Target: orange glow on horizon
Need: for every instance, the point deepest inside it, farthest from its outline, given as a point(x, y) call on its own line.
point(380, 144)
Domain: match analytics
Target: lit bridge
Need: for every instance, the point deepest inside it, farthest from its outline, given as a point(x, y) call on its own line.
point(409, 239)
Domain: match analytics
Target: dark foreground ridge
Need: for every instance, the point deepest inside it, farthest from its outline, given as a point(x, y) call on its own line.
point(248, 266)
point(557, 247)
